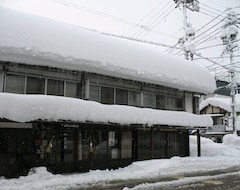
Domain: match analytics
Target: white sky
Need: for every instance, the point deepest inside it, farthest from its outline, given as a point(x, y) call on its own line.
point(134, 18)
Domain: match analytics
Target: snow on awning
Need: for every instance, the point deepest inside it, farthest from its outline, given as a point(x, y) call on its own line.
point(36, 40)
point(26, 108)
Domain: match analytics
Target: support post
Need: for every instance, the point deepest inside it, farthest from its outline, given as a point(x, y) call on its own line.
point(198, 143)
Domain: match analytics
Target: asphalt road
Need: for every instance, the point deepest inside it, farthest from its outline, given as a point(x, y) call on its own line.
point(228, 179)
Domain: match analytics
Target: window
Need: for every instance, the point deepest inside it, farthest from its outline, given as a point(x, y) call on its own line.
point(35, 85)
point(160, 102)
point(15, 84)
point(107, 95)
point(170, 101)
point(94, 93)
point(72, 89)
point(121, 97)
point(179, 103)
point(148, 100)
point(134, 98)
point(126, 145)
point(1, 82)
point(99, 144)
point(113, 143)
point(55, 87)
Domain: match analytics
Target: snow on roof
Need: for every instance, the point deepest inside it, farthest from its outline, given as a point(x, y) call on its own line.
point(221, 102)
point(41, 41)
point(26, 108)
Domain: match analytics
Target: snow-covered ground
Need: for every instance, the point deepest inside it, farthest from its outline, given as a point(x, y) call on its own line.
point(214, 156)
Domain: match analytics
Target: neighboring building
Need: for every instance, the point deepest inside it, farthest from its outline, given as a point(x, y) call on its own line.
point(219, 108)
point(43, 63)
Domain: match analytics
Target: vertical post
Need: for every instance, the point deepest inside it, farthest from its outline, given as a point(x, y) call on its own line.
point(185, 28)
point(198, 143)
point(233, 93)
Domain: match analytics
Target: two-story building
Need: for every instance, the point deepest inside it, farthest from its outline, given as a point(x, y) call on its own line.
point(74, 99)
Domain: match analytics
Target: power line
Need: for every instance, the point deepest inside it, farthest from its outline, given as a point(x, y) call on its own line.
point(147, 15)
point(155, 21)
point(99, 13)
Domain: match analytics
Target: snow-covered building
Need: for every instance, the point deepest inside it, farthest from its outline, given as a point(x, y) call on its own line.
point(219, 108)
point(74, 99)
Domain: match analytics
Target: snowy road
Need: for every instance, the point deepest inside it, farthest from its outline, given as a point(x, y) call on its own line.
point(228, 179)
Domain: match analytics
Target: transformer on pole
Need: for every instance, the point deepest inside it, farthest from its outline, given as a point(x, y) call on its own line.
point(189, 32)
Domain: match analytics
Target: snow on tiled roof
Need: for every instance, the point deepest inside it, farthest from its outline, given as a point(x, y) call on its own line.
point(40, 41)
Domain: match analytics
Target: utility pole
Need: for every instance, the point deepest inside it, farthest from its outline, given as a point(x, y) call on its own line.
point(229, 36)
point(189, 32)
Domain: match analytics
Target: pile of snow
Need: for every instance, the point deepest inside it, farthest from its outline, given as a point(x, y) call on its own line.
point(214, 157)
point(40, 41)
point(25, 108)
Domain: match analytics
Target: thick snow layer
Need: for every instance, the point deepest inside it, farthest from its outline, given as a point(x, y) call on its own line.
point(25, 108)
point(221, 102)
point(214, 157)
point(40, 41)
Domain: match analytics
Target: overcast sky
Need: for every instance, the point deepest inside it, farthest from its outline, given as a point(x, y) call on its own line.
point(147, 20)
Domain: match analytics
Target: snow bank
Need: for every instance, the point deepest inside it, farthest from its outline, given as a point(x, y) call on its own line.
point(40, 41)
point(215, 156)
point(25, 108)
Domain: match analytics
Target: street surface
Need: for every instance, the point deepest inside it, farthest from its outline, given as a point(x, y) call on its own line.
point(228, 179)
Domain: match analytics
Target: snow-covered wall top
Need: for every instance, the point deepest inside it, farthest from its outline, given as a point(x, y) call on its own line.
point(25, 108)
point(221, 102)
point(40, 41)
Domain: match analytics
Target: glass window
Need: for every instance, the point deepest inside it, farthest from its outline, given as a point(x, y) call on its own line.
point(170, 101)
point(94, 93)
point(35, 85)
point(126, 145)
point(68, 145)
point(121, 97)
point(72, 89)
point(1, 82)
point(113, 143)
point(55, 87)
point(160, 102)
point(134, 98)
point(107, 95)
point(179, 103)
point(99, 144)
point(148, 100)
point(15, 84)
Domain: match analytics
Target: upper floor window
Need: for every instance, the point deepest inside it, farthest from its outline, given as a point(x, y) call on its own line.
point(121, 97)
point(94, 93)
point(160, 102)
point(72, 89)
point(179, 102)
point(35, 85)
point(148, 100)
point(15, 84)
point(1, 82)
point(134, 98)
point(55, 87)
point(107, 95)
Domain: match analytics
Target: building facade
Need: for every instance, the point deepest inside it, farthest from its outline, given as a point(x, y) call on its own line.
point(146, 100)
